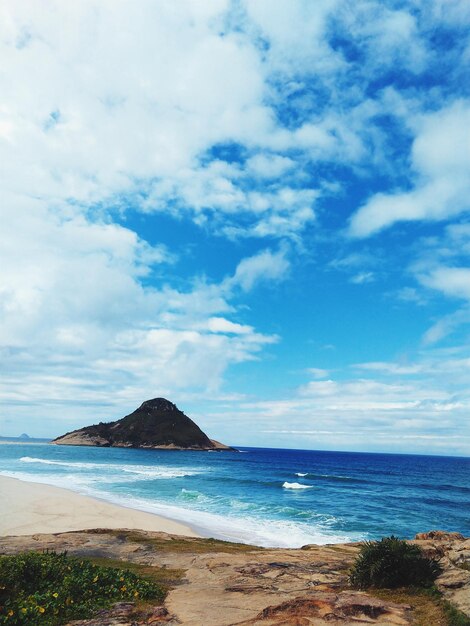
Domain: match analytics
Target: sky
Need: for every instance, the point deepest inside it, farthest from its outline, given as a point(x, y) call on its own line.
point(259, 210)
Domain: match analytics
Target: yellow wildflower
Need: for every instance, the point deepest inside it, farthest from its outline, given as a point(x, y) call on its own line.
point(10, 613)
point(23, 610)
point(136, 593)
point(41, 609)
point(123, 588)
point(56, 595)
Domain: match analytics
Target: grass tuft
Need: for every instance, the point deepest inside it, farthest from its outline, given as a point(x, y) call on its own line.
point(428, 605)
point(391, 563)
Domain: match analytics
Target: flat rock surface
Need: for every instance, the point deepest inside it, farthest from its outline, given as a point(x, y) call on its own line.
point(228, 586)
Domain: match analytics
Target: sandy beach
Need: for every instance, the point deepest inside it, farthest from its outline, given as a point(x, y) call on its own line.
point(28, 508)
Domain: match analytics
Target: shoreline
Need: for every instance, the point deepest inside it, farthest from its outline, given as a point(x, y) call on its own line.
point(33, 508)
point(38, 507)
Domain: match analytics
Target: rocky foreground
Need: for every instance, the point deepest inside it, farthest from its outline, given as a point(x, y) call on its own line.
point(214, 583)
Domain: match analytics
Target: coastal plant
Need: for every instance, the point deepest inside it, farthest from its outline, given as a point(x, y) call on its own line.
point(391, 563)
point(48, 589)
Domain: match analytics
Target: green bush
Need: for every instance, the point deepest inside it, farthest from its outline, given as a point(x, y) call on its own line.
point(48, 589)
point(391, 563)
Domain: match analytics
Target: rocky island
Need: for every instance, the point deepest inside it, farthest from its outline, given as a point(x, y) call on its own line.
point(156, 424)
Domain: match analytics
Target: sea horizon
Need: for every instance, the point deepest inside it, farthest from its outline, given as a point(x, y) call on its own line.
point(33, 440)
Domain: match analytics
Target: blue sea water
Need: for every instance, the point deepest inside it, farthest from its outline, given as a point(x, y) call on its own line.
point(267, 497)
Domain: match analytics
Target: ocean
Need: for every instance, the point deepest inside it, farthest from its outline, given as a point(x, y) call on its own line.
point(267, 497)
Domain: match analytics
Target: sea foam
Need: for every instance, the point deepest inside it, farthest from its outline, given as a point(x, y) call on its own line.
point(287, 485)
point(141, 472)
point(252, 530)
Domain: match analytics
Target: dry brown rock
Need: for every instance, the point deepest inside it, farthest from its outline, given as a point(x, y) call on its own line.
point(453, 550)
point(328, 608)
point(440, 535)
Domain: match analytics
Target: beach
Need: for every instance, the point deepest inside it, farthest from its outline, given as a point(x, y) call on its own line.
point(29, 508)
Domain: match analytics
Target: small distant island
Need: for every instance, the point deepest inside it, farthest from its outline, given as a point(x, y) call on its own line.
point(157, 424)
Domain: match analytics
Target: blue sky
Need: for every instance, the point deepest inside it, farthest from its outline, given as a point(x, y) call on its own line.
point(259, 210)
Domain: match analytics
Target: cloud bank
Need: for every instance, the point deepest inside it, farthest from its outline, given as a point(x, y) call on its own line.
point(167, 167)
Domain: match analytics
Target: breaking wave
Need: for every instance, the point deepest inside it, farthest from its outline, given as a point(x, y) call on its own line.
point(287, 485)
point(142, 471)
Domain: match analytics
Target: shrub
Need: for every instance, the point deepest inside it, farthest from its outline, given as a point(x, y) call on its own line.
point(391, 563)
point(48, 589)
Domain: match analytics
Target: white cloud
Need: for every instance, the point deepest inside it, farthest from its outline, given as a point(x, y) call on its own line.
point(125, 111)
point(452, 281)
point(441, 161)
point(116, 113)
point(389, 36)
point(123, 96)
point(446, 325)
point(78, 323)
point(453, 12)
point(222, 325)
point(390, 367)
point(269, 166)
point(318, 372)
point(363, 394)
point(284, 25)
point(363, 278)
point(265, 266)
point(214, 195)
point(410, 294)
point(420, 406)
point(442, 268)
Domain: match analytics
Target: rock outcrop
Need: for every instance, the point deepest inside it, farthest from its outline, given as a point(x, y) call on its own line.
point(453, 552)
point(224, 584)
point(156, 424)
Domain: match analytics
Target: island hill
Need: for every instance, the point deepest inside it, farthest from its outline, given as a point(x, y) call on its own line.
point(156, 424)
